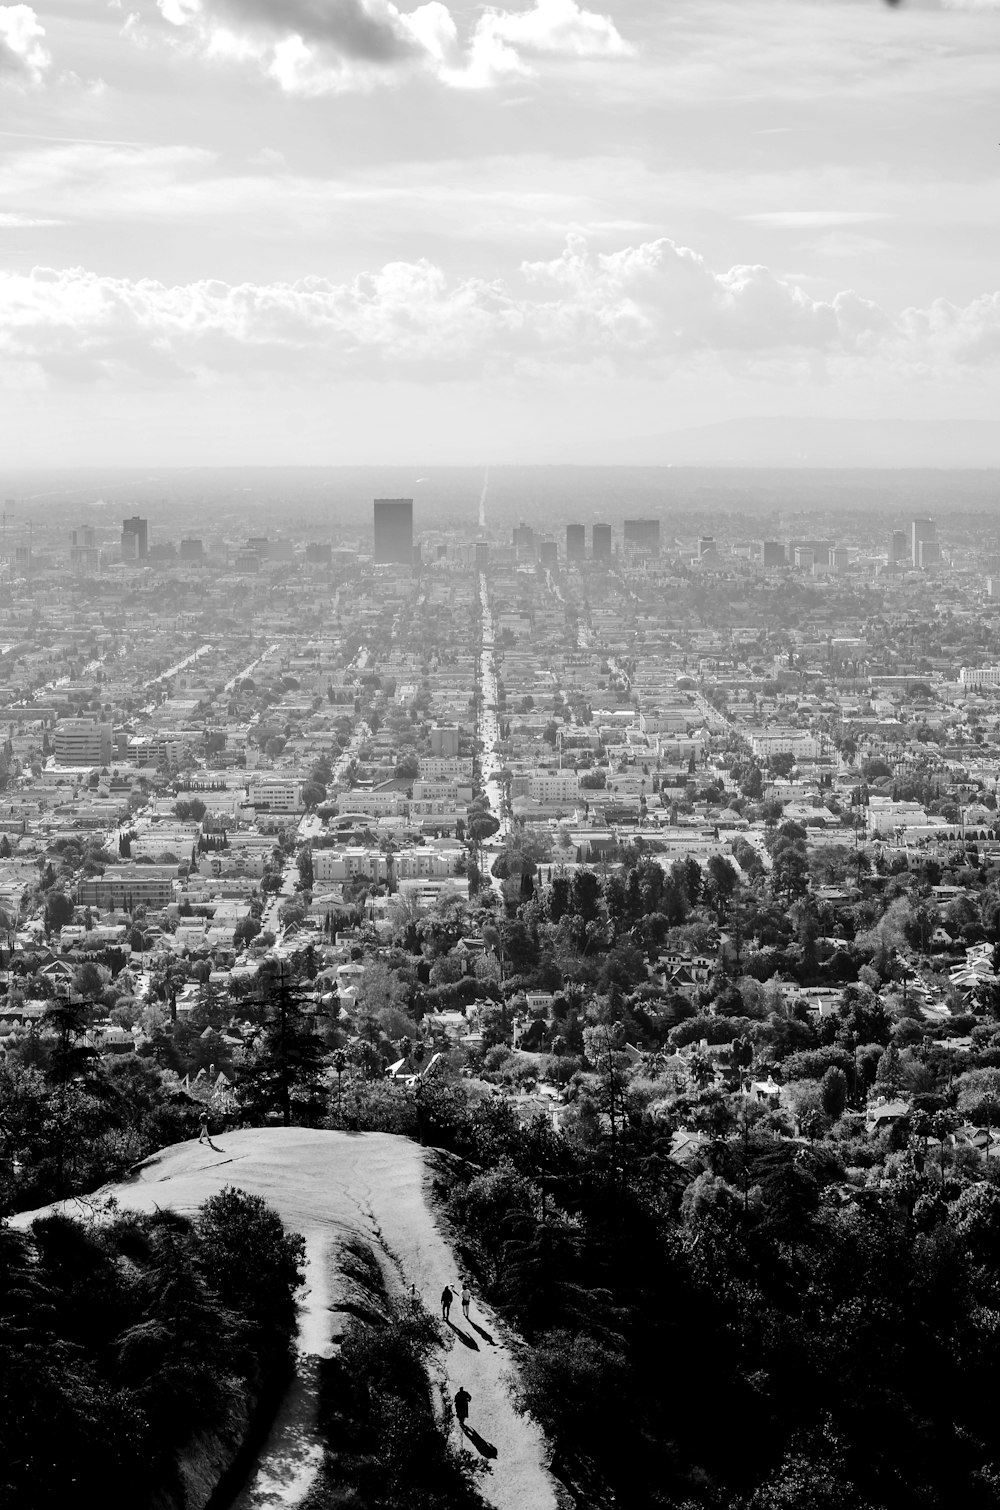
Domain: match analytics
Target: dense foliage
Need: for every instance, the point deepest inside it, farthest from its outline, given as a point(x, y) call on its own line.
point(754, 1338)
point(124, 1335)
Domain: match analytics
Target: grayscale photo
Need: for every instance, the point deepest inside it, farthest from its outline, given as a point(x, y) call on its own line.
point(499, 754)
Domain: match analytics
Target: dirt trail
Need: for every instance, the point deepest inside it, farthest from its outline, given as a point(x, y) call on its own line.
point(328, 1186)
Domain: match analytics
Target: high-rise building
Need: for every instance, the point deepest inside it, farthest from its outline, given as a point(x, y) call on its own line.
point(920, 530)
point(548, 554)
point(928, 554)
point(482, 554)
point(642, 535)
point(524, 542)
point(600, 542)
point(139, 528)
point(772, 553)
point(85, 559)
point(83, 741)
point(393, 532)
point(707, 549)
point(191, 549)
point(576, 542)
point(898, 549)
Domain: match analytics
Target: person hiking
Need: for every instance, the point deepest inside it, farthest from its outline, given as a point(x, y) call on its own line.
point(447, 1296)
point(466, 1301)
point(462, 1402)
point(204, 1136)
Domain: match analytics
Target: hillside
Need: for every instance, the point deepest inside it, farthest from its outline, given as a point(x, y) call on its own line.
point(335, 1187)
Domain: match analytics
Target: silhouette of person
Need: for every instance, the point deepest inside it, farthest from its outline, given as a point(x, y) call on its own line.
point(447, 1296)
point(466, 1300)
point(462, 1402)
point(203, 1135)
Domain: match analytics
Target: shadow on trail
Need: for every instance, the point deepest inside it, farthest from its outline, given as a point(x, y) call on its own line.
point(486, 1449)
point(483, 1333)
point(463, 1336)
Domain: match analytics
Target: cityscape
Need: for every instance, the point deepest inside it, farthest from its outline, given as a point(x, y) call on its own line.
point(499, 755)
point(665, 841)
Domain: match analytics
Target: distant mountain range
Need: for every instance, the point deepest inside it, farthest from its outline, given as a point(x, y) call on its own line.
point(793, 442)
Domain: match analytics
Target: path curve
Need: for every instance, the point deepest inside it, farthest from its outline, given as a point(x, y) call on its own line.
point(328, 1186)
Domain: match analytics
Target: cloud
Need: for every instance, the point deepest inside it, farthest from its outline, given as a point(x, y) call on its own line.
point(815, 219)
point(24, 58)
point(11, 220)
point(315, 47)
point(647, 310)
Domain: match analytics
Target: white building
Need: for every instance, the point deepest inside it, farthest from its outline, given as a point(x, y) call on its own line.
point(275, 794)
point(348, 863)
point(980, 676)
point(554, 786)
point(783, 741)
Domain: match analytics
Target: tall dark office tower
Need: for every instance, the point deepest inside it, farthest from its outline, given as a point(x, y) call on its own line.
point(548, 554)
point(600, 542)
point(137, 549)
point(772, 553)
point(393, 532)
point(897, 545)
point(576, 542)
point(642, 535)
point(921, 530)
point(525, 548)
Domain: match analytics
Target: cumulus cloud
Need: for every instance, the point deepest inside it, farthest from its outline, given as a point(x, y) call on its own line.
point(24, 58)
point(312, 47)
point(648, 309)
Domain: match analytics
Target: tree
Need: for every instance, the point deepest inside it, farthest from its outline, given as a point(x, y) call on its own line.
point(281, 1068)
point(58, 911)
point(721, 883)
point(246, 929)
point(752, 783)
point(889, 1074)
point(833, 1092)
point(604, 1048)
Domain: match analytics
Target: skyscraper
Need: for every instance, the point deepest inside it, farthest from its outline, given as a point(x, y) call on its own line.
point(393, 532)
point(920, 530)
point(642, 535)
point(600, 542)
point(576, 542)
point(525, 548)
point(897, 545)
point(136, 549)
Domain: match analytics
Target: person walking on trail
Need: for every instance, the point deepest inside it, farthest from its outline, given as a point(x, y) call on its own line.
point(447, 1296)
point(466, 1301)
point(203, 1135)
point(462, 1402)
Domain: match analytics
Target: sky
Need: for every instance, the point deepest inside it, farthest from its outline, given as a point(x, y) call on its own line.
point(353, 231)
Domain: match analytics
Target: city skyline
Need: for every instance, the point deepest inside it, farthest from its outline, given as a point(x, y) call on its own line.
point(232, 231)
